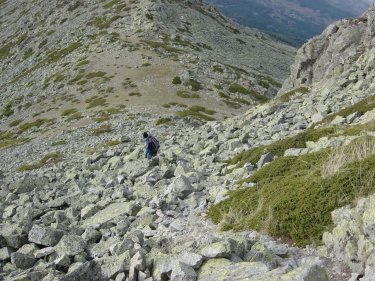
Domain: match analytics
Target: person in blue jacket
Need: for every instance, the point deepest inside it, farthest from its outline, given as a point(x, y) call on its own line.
point(151, 145)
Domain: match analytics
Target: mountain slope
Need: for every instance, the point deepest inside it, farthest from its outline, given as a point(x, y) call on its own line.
point(291, 21)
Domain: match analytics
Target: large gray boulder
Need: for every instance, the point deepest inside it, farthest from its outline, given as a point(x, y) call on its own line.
point(71, 245)
point(44, 235)
point(22, 261)
point(181, 187)
point(183, 272)
point(221, 249)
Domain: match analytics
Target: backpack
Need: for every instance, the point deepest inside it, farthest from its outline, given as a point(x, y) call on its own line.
point(154, 144)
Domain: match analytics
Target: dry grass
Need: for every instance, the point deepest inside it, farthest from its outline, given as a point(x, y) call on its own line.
point(357, 150)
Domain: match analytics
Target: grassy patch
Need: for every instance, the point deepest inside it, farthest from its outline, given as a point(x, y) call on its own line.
point(83, 62)
point(197, 112)
point(8, 110)
point(291, 200)
point(97, 74)
point(236, 88)
point(50, 158)
point(362, 107)
point(62, 142)
point(95, 101)
point(218, 68)
point(195, 85)
point(69, 111)
point(5, 51)
point(111, 143)
point(176, 80)
point(101, 130)
point(9, 139)
point(74, 116)
point(35, 124)
point(15, 123)
point(187, 95)
point(279, 147)
point(163, 121)
point(132, 94)
point(59, 54)
point(164, 46)
point(289, 95)
point(103, 22)
point(169, 105)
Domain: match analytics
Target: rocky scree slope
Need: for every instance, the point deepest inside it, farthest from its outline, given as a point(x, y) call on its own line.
point(113, 215)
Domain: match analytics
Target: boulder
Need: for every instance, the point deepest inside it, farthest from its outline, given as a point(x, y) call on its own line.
point(83, 271)
point(45, 236)
point(264, 159)
point(183, 272)
point(5, 253)
point(112, 211)
point(223, 270)
point(71, 245)
point(191, 259)
point(22, 261)
point(221, 249)
point(181, 187)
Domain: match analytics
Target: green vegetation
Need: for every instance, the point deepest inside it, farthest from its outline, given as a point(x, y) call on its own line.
point(75, 79)
point(74, 6)
point(103, 22)
point(291, 199)
point(163, 121)
point(362, 107)
point(167, 48)
point(288, 96)
point(187, 95)
point(5, 51)
point(218, 68)
point(8, 110)
point(50, 158)
point(111, 143)
point(101, 130)
point(75, 116)
point(195, 85)
point(83, 62)
point(28, 53)
point(59, 143)
point(102, 118)
point(176, 80)
point(59, 54)
point(9, 139)
point(15, 123)
point(110, 4)
point(197, 112)
point(37, 123)
point(279, 147)
point(97, 74)
point(68, 112)
point(236, 88)
point(132, 94)
point(169, 105)
point(95, 101)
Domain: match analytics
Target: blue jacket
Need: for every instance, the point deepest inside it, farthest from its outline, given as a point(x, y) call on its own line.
point(148, 152)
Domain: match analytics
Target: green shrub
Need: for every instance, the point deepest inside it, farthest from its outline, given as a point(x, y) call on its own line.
point(15, 123)
point(101, 130)
point(195, 85)
point(187, 95)
point(176, 80)
point(95, 101)
point(197, 112)
point(279, 147)
point(97, 74)
point(69, 111)
point(59, 143)
point(236, 88)
point(163, 121)
point(9, 139)
point(47, 159)
point(291, 200)
point(288, 96)
point(8, 110)
point(37, 123)
point(132, 94)
point(218, 68)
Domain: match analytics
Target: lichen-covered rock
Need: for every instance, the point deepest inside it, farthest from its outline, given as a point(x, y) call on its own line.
point(223, 270)
point(71, 245)
point(45, 236)
point(221, 249)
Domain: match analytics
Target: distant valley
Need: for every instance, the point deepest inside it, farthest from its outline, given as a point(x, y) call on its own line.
point(292, 21)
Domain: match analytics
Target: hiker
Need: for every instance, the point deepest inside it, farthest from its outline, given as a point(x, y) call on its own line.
point(151, 145)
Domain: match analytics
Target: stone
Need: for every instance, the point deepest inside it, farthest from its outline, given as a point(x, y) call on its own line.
point(217, 250)
point(5, 253)
point(350, 118)
point(296, 152)
point(112, 211)
point(223, 270)
point(264, 159)
point(191, 259)
point(317, 117)
point(306, 273)
point(137, 263)
point(71, 245)
point(63, 261)
point(338, 120)
point(86, 271)
point(28, 184)
point(181, 187)
point(260, 253)
point(91, 235)
point(89, 211)
point(183, 272)
point(369, 223)
point(113, 265)
point(22, 261)
point(44, 252)
point(45, 236)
